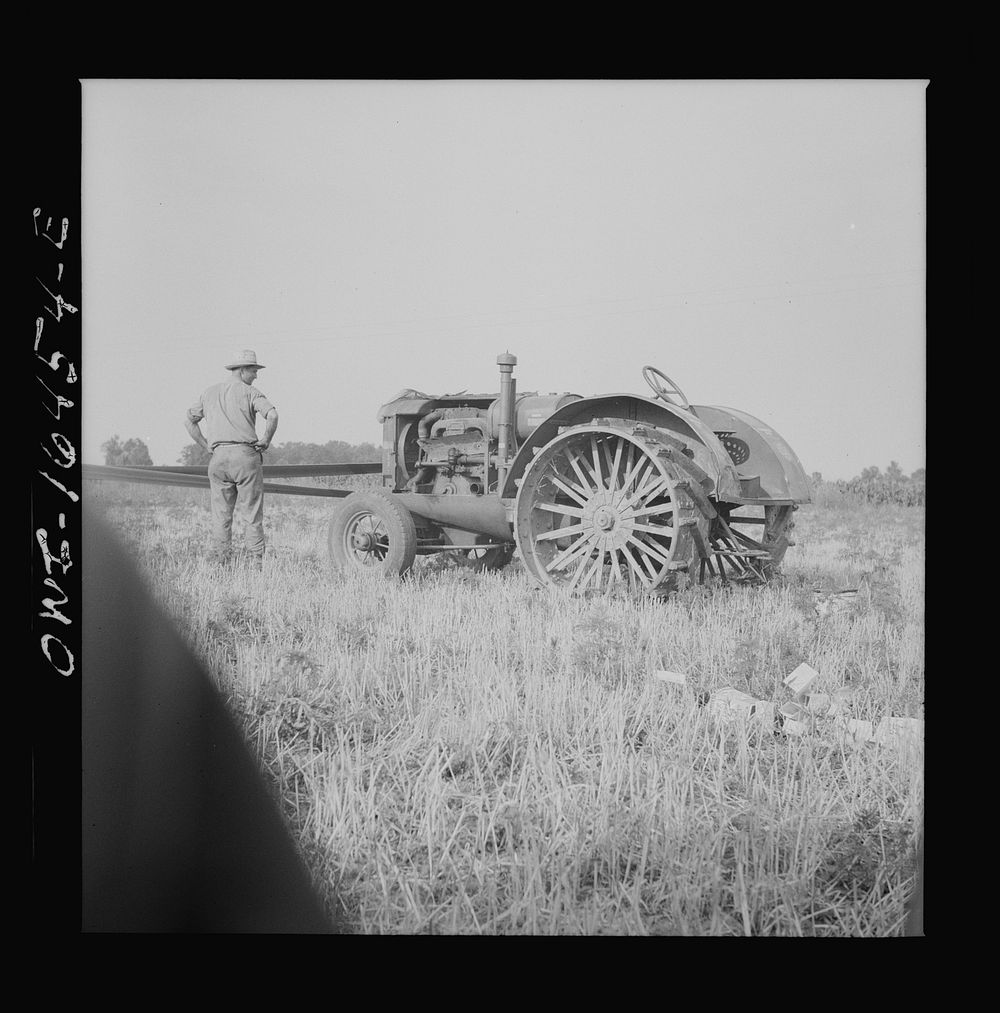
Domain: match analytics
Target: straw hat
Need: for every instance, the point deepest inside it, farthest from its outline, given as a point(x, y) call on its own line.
point(248, 357)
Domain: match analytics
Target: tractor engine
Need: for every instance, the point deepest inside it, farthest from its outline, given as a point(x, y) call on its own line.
point(454, 445)
point(459, 444)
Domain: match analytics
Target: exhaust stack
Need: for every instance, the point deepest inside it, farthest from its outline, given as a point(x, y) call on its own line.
point(508, 386)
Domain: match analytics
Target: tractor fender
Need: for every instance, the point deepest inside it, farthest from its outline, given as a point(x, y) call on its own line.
point(768, 467)
point(721, 481)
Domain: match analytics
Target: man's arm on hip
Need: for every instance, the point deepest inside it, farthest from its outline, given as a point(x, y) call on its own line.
point(195, 432)
point(271, 420)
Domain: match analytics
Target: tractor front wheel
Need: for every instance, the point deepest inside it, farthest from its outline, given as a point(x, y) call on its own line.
point(370, 531)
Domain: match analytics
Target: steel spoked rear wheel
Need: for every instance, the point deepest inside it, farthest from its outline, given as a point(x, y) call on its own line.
point(371, 531)
point(603, 508)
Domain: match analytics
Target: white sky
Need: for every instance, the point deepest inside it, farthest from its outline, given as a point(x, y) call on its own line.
point(763, 243)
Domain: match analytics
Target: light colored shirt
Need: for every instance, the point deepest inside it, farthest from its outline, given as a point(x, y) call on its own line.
point(229, 411)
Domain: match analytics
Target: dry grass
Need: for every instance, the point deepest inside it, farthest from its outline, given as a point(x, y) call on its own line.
point(459, 753)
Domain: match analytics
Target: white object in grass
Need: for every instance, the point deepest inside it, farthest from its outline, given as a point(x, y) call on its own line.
point(679, 678)
point(801, 679)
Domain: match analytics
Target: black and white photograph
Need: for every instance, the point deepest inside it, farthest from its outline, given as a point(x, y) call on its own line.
point(498, 504)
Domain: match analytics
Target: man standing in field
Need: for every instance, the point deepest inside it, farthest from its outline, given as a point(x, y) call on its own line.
point(236, 470)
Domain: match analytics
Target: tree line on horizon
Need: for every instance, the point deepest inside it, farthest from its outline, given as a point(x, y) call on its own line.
point(331, 452)
point(873, 486)
point(132, 453)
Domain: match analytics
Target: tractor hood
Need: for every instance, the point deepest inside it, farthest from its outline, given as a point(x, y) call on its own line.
point(413, 402)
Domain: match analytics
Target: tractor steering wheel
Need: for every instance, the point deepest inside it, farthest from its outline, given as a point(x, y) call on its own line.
point(653, 376)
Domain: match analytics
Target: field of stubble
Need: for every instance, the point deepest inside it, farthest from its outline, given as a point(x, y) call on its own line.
point(459, 753)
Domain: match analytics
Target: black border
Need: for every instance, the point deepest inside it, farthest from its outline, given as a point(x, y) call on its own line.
point(52, 148)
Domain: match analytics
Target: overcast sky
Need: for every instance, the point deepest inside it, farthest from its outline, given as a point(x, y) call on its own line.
point(763, 243)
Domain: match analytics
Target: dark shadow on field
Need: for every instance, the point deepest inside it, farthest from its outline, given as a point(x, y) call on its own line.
point(180, 833)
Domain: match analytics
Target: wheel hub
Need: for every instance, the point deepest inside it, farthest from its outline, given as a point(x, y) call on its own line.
point(372, 531)
point(607, 518)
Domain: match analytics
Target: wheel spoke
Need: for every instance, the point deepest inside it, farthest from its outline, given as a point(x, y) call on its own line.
point(740, 561)
point(634, 571)
point(644, 555)
point(597, 462)
point(615, 575)
point(575, 463)
point(739, 553)
point(619, 446)
point(653, 511)
point(566, 555)
point(738, 565)
point(632, 475)
point(646, 489)
point(653, 487)
point(656, 551)
point(595, 569)
point(597, 573)
point(748, 541)
point(555, 533)
point(629, 462)
point(558, 482)
point(560, 508)
point(648, 563)
point(583, 489)
point(579, 572)
point(629, 571)
point(621, 473)
point(664, 531)
point(608, 464)
point(648, 549)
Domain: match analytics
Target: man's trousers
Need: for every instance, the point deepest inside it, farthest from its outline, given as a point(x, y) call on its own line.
point(236, 477)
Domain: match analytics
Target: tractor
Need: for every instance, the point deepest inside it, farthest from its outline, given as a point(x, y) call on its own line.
point(596, 494)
